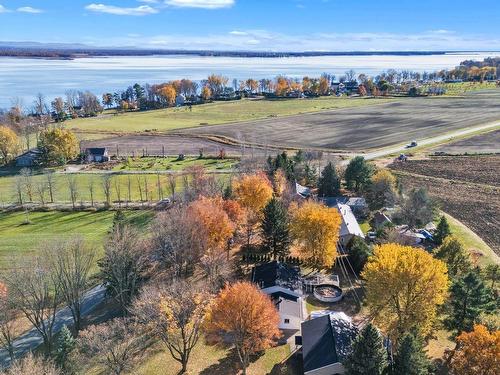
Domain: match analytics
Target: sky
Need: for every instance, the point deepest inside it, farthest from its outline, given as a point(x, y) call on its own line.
point(258, 25)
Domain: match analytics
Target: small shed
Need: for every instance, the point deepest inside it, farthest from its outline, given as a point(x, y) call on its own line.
point(30, 158)
point(96, 155)
point(180, 100)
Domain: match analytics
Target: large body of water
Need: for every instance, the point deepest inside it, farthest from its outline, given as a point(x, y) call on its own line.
point(24, 78)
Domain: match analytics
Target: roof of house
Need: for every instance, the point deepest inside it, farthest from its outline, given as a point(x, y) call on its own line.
point(349, 223)
point(356, 202)
point(275, 273)
point(33, 153)
point(98, 151)
point(303, 191)
point(326, 339)
point(285, 295)
point(380, 219)
point(318, 343)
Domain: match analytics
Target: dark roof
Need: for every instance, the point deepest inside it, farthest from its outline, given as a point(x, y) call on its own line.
point(275, 273)
point(318, 343)
point(96, 151)
point(284, 295)
point(33, 153)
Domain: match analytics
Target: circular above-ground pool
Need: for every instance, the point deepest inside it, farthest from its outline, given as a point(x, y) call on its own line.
point(328, 293)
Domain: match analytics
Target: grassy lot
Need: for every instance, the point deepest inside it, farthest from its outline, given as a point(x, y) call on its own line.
point(212, 113)
point(174, 164)
point(460, 88)
point(18, 238)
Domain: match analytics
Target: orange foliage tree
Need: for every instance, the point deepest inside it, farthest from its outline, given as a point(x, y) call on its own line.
point(244, 317)
point(206, 93)
point(404, 286)
point(478, 353)
point(253, 192)
point(169, 93)
point(316, 229)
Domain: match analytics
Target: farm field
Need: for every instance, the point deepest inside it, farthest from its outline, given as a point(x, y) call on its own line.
point(212, 113)
point(174, 164)
point(19, 238)
point(172, 144)
point(487, 143)
point(368, 127)
point(466, 187)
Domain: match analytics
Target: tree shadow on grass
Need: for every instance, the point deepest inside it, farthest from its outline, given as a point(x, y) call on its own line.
point(229, 365)
point(292, 365)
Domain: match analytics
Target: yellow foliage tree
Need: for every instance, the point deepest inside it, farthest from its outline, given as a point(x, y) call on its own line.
point(169, 93)
point(478, 353)
point(404, 286)
point(316, 229)
point(58, 145)
point(9, 144)
point(244, 317)
point(206, 93)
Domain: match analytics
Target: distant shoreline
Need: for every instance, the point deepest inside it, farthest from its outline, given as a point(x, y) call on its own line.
point(71, 54)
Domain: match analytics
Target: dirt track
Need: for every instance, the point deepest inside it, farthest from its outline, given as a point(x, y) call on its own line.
point(363, 128)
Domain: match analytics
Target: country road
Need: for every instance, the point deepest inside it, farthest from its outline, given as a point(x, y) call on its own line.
point(30, 340)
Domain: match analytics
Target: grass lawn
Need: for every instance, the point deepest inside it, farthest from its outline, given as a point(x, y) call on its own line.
point(212, 113)
point(174, 164)
point(460, 88)
point(208, 360)
point(18, 238)
point(478, 249)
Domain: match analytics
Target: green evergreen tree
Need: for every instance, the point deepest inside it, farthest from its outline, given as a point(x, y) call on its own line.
point(358, 173)
point(275, 229)
point(410, 358)
point(329, 182)
point(469, 298)
point(65, 345)
point(368, 354)
point(119, 219)
point(453, 253)
point(309, 175)
point(442, 230)
point(359, 252)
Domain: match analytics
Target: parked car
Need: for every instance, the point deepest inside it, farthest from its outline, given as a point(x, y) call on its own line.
point(412, 144)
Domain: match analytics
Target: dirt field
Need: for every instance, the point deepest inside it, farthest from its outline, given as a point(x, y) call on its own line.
point(362, 128)
point(171, 144)
point(488, 143)
point(468, 188)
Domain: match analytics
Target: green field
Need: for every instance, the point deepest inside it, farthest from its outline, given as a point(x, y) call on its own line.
point(174, 164)
point(460, 88)
point(18, 238)
point(212, 113)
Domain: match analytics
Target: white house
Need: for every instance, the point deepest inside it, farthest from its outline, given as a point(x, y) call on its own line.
point(282, 283)
point(349, 227)
point(96, 155)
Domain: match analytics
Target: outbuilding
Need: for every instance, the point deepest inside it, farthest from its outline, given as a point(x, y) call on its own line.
point(96, 155)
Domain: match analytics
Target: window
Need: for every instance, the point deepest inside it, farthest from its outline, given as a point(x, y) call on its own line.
point(287, 321)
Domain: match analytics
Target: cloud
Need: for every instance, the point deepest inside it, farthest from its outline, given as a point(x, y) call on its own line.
point(29, 10)
point(236, 32)
point(206, 4)
point(3, 9)
point(142, 10)
point(149, 1)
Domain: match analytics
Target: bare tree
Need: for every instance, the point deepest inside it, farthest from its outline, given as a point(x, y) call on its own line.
point(139, 186)
point(124, 265)
point(19, 184)
point(73, 188)
point(51, 184)
point(34, 291)
point(129, 190)
point(27, 180)
point(114, 345)
point(118, 190)
point(158, 185)
point(8, 321)
point(106, 188)
point(91, 186)
point(174, 314)
point(41, 189)
point(172, 183)
point(32, 365)
point(72, 262)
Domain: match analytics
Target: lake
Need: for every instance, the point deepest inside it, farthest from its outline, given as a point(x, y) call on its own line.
point(24, 78)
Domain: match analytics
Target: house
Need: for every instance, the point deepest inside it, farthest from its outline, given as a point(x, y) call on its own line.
point(326, 341)
point(302, 191)
point(358, 206)
point(96, 155)
point(380, 220)
point(410, 236)
point(282, 284)
point(30, 158)
point(349, 228)
point(180, 100)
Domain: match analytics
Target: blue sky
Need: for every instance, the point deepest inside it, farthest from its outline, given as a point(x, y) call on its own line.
point(280, 25)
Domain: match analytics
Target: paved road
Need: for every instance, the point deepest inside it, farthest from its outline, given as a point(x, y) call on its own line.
point(32, 339)
point(429, 141)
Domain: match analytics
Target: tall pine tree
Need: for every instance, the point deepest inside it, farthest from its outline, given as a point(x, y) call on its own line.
point(275, 229)
point(442, 230)
point(368, 356)
point(469, 298)
point(329, 182)
point(65, 345)
point(410, 358)
point(358, 174)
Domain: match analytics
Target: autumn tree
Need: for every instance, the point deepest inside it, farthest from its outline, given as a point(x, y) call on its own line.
point(174, 314)
point(404, 287)
point(275, 229)
point(382, 190)
point(245, 318)
point(252, 192)
point(469, 298)
point(206, 93)
point(58, 146)
point(358, 173)
point(329, 182)
point(477, 353)
point(316, 227)
point(417, 208)
point(442, 230)
point(168, 92)
point(124, 264)
point(410, 358)
point(32, 365)
point(453, 253)
point(368, 355)
point(8, 321)
point(9, 144)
